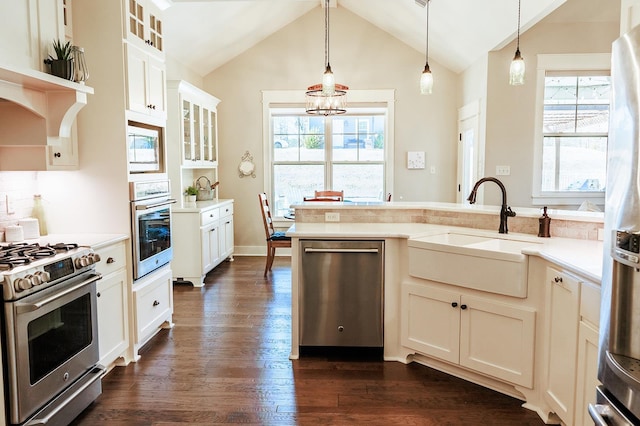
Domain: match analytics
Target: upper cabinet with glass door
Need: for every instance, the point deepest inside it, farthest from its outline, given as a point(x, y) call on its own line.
point(143, 26)
point(199, 133)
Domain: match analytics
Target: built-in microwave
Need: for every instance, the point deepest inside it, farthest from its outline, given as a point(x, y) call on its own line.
point(145, 148)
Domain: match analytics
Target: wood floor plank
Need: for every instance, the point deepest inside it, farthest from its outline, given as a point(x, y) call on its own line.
point(226, 362)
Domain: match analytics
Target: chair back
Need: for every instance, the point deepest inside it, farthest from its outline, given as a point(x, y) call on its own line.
point(266, 215)
point(329, 195)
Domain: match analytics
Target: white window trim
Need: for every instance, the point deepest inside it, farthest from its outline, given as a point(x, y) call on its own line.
point(296, 98)
point(560, 62)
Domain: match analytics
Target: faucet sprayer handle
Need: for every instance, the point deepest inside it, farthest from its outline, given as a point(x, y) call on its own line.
point(510, 212)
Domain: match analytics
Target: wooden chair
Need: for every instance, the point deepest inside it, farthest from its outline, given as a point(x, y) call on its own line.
point(274, 239)
point(326, 196)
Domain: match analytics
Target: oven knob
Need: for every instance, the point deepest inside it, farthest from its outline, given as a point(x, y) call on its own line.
point(44, 276)
point(93, 258)
point(81, 262)
point(21, 284)
point(35, 280)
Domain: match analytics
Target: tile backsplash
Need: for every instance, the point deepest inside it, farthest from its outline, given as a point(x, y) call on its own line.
point(18, 189)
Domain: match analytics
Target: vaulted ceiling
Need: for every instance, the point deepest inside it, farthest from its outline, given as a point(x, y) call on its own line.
point(205, 34)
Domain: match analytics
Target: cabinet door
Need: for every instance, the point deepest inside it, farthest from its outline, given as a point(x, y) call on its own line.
point(143, 25)
point(64, 156)
point(187, 132)
point(562, 302)
point(136, 79)
point(113, 313)
point(210, 247)
point(587, 369)
point(485, 327)
point(226, 237)
point(430, 321)
point(157, 87)
point(207, 151)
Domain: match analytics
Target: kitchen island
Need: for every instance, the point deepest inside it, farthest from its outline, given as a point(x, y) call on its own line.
point(500, 341)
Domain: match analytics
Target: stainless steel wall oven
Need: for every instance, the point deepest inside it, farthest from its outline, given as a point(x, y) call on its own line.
point(151, 226)
point(50, 332)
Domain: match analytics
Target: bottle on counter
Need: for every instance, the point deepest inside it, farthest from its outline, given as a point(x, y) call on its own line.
point(545, 224)
point(38, 213)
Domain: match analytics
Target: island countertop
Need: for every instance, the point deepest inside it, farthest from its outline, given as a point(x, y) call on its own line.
point(583, 257)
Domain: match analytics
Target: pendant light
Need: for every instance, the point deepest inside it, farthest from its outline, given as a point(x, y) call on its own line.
point(516, 71)
point(327, 98)
point(426, 80)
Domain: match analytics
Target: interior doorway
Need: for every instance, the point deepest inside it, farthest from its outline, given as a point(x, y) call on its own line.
point(470, 155)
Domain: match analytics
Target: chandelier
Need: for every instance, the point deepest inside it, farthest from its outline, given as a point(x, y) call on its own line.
point(327, 98)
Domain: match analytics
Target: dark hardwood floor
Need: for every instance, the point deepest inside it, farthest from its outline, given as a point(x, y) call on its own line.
point(226, 362)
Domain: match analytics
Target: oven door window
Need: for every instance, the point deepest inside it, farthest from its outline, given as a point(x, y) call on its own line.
point(154, 232)
point(58, 335)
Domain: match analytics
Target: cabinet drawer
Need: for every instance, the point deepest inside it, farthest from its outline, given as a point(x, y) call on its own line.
point(153, 306)
point(209, 216)
point(112, 258)
point(226, 210)
point(590, 303)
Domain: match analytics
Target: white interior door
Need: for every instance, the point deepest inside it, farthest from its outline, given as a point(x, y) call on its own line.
point(469, 167)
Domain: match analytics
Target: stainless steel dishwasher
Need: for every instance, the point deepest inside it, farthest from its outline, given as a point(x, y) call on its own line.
point(341, 293)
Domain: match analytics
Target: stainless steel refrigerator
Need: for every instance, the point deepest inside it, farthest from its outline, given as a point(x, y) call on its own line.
point(618, 398)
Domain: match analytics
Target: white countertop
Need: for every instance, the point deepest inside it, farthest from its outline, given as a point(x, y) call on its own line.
point(199, 206)
point(583, 257)
point(456, 207)
point(92, 240)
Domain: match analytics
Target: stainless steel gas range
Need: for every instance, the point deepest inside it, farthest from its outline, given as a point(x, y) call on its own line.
point(49, 332)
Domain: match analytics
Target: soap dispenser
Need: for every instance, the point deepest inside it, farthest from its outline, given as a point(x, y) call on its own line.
point(545, 224)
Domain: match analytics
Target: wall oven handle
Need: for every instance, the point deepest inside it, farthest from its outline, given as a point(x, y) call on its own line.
point(597, 413)
point(154, 205)
point(340, 250)
point(22, 308)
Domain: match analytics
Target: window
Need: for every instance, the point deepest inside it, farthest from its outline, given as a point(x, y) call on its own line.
point(351, 152)
point(571, 129)
point(575, 128)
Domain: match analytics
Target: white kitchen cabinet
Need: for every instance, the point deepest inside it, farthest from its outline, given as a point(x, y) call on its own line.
point(113, 305)
point(470, 331)
point(146, 83)
point(193, 113)
point(203, 239)
point(571, 344)
point(143, 26)
point(153, 306)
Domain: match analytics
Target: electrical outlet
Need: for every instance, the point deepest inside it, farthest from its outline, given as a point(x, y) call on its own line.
point(9, 205)
point(332, 217)
point(503, 170)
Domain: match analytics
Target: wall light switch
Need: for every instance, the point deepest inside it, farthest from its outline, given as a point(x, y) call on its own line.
point(503, 170)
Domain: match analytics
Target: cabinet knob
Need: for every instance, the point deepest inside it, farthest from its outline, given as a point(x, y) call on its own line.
point(111, 260)
point(156, 303)
point(558, 279)
point(98, 294)
point(340, 328)
point(463, 307)
point(57, 155)
point(454, 304)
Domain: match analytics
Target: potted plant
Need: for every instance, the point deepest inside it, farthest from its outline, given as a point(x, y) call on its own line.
point(191, 192)
point(62, 64)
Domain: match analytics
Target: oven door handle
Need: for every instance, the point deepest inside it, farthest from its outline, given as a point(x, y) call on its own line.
point(154, 205)
point(22, 308)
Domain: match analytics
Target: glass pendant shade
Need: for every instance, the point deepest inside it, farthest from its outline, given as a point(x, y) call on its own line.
point(426, 81)
point(80, 70)
point(516, 71)
point(328, 82)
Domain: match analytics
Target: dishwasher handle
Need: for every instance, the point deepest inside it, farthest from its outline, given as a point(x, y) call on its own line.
point(340, 250)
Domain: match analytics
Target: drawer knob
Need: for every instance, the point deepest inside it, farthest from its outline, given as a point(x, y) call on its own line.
point(111, 260)
point(98, 294)
point(156, 303)
point(454, 304)
point(340, 328)
point(463, 307)
point(558, 279)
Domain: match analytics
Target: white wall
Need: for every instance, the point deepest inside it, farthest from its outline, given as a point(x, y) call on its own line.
point(510, 112)
point(362, 57)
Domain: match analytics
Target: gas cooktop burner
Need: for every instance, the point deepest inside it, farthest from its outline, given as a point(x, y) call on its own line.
point(17, 254)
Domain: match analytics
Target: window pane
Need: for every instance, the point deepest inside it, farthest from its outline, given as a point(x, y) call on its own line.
point(574, 163)
point(560, 90)
point(559, 119)
point(592, 119)
point(594, 90)
point(358, 138)
point(359, 180)
point(292, 182)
